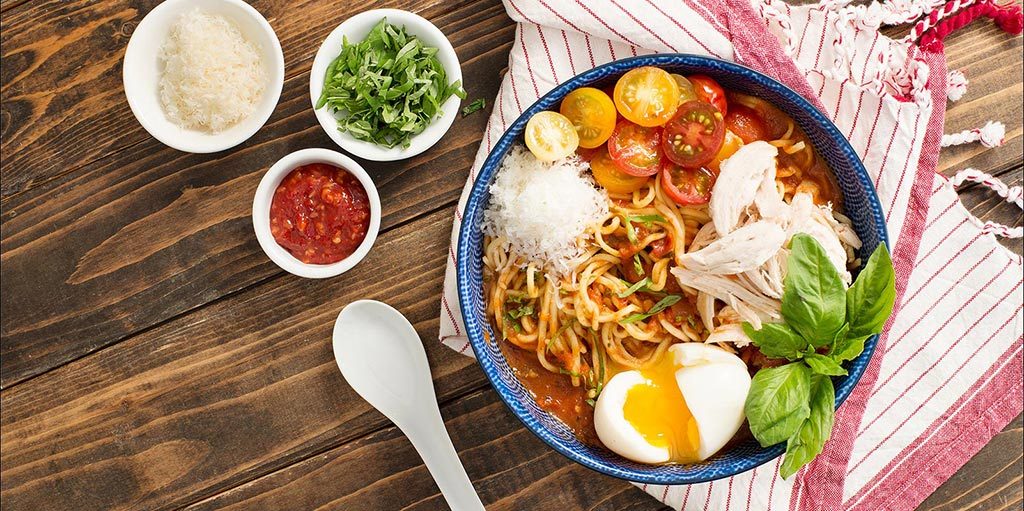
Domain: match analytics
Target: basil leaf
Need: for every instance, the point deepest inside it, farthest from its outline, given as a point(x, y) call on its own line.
point(870, 299)
point(814, 297)
point(846, 347)
point(822, 364)
point(646, 281)
point(809, 440)
point(776, 340)
point(777, 403)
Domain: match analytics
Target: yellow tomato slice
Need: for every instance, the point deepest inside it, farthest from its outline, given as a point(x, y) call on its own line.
point(731, 144)
point(592, 112)
point(551, 136)
point(611, 178)
point(647, 96)
point(686, 92)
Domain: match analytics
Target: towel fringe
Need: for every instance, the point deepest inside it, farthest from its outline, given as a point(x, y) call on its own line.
point(992, 134)
point(956, 14)
point(1012, 194)
point(956, 85)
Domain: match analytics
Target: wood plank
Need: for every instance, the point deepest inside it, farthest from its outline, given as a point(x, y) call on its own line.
point(62, 98)
point(240, 388)
point(990, 481)
point(120, 236)
point(509, 466)
point(991, 60)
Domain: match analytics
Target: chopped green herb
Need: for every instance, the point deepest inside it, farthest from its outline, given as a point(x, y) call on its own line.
point(524, 310)
point(630, 231)
point(477, 104)
point(387, 88)
point(647, 220)
point(635, 287)
point(591, 402)
point(637, 266)
point(662, 304)
point(570, 373)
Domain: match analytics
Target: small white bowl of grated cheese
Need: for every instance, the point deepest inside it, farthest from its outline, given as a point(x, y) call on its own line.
point(203, 76)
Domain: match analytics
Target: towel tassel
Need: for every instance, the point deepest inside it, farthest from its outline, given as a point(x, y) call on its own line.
point(992, 134)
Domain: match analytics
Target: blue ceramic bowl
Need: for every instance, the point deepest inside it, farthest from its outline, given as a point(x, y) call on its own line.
point(861, 205)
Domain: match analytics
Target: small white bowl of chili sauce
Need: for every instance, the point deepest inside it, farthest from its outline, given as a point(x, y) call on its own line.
point(316, 213)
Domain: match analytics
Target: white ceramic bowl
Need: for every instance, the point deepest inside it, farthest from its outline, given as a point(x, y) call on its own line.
point(142, 69)
point(355, 29)
point(265, 194)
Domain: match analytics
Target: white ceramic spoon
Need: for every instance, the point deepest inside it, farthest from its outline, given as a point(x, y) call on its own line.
point(380, 355)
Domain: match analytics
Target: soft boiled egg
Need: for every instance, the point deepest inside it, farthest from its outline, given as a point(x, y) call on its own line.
point(682, 409)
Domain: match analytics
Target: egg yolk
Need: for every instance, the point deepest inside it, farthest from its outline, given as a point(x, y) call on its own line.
point(658, 411)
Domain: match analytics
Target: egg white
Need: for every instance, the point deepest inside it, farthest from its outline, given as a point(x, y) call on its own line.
point(612, 427)
point(715, 384)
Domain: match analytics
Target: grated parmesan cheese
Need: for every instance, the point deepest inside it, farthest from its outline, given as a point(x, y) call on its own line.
point(212, 76)
point(543, 209)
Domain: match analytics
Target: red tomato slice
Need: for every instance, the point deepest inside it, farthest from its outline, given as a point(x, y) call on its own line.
point(694, 134)
point(636, 150)
point(687, 186)
point(708, 90)
point(746, 123)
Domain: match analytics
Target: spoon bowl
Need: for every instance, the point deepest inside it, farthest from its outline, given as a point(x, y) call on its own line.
point(381, 357)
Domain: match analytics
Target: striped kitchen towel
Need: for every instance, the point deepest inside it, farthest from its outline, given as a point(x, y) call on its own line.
point(946, 375)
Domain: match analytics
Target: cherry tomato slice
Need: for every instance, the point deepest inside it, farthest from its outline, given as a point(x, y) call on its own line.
point(687, 186)
point(730, 145)
point(592, 114)
point(686, 92)
point(608, 175)
point(635, 149)
point(647, 96)
point(550, 136)
point(708, 90)
point(694, 135)
point(746, 123)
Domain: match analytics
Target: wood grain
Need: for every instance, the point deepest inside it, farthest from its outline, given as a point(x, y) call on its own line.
point(149, 233)
point(991, 481)
point(161, 361)
point(237, 389)
point(510, 468)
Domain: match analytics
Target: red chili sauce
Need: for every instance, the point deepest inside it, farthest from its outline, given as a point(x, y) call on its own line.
point(320, 213)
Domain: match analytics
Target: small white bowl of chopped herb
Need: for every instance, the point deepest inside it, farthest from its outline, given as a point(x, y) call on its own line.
point(386, 85)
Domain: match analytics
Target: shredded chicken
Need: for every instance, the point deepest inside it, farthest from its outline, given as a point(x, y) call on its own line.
point(737, 184)
point(741, 250)
point(740, 256)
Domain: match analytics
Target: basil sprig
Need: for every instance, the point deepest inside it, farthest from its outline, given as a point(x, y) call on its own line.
point(823, 326)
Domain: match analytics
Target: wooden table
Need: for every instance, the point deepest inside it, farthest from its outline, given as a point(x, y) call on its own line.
point(153, 357)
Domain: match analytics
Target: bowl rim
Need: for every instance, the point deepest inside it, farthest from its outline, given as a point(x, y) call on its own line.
point(195, 144)
point(474, 206)
point(438, 127)
point(265, 194)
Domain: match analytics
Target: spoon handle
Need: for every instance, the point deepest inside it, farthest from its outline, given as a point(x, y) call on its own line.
point(431, 440)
